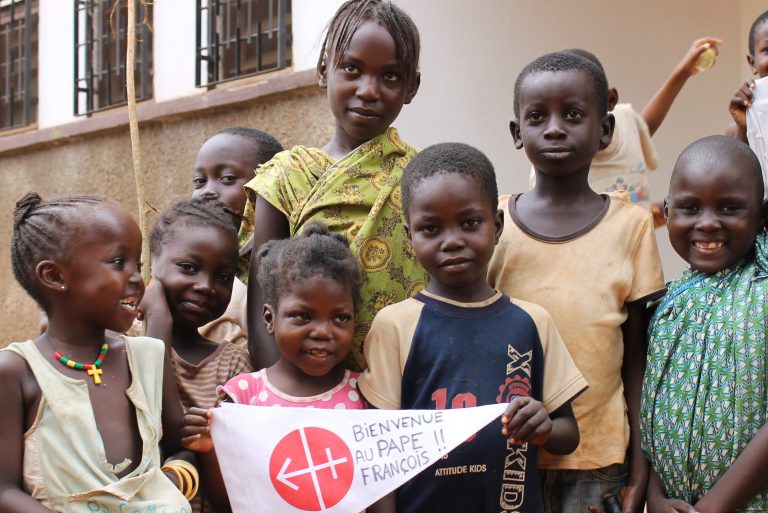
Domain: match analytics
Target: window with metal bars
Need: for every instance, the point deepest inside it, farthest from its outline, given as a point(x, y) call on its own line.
point(101, 30)
point(236, 38)
point(18, 63)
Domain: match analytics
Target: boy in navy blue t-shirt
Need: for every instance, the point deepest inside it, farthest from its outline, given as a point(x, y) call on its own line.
point(459, 343)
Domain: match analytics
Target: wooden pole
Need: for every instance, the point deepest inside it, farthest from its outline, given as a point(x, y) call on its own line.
point(133, 123)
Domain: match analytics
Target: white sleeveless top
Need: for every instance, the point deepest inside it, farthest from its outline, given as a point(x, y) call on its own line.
point(65, 465)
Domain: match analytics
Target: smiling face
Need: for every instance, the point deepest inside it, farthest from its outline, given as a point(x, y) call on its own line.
point(225, 163)
point(196, 267)
point(560, 126)
point(453, 230)
point(759, 61)
point(102, 274)
point(313, 325)
point(714, 212)
point(367, 88)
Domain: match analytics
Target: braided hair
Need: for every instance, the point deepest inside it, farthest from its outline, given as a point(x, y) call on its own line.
point(354, 13)
point(201, 211)
point(42, 230)
point(285, 264)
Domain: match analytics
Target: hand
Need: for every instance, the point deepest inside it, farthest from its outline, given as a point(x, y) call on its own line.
point(526, 420)
point(740, 102)
point(632, 497)
point(154, 301)
point(196, 430)
point(665, 505)
point(688, 63)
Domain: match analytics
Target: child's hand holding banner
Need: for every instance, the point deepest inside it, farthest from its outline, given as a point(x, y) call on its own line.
point(340, 461)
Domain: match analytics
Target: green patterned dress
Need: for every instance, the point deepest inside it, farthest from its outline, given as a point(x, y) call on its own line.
point(358, 196)
point(704, 392)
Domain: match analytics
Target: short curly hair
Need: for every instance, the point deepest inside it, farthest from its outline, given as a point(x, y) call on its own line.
point(567, 60)
point(287, 263)
point(456, 158)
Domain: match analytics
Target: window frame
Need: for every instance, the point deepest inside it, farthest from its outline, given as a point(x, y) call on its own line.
point(209, 47)
point(89, 50)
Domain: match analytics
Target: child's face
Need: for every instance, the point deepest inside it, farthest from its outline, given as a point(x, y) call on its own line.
point(313, 325)
point(759, 61)
point(559, 124)
point(197, 269)
point(225, 163)
point(714, 213)
point(453, 230)
point(102, 273)
point(367, 89)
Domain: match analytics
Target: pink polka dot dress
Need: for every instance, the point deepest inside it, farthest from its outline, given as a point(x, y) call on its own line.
point(254, 388)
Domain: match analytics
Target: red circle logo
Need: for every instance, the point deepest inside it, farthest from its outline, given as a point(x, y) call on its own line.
point(311, 468)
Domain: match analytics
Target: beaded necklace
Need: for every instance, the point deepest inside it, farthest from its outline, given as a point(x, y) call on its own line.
point(91, 368)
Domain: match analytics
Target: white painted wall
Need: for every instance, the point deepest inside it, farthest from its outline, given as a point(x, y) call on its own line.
point(310, 18)
point(473, 51)
point(471, 54)
point(174, 49)
point(55, 63)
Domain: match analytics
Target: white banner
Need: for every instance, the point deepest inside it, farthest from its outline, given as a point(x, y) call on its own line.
point(292, 460)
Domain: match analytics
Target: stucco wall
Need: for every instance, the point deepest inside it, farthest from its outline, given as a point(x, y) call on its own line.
point(101, 164)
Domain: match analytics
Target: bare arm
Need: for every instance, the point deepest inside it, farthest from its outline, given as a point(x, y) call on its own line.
point(12, 496)
point(658, 107)
point(740, 102)
point(173, 413)
point(658, 501)
point(197, 437)
point(634, 330)
point(269, 224)
point(745, 478)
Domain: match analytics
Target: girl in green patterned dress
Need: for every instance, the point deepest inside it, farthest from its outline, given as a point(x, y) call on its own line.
point(369, 67)
point(705, 393)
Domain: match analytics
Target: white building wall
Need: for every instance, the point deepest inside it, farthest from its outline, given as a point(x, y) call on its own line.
point(473, 51)
point(56, 39)
point(174, 49)
point(471, 54)
point(310, 18)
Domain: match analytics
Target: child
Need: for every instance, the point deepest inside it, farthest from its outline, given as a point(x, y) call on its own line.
point(224, 164)
point(228, 160)
point(459, 343)
point(758, 63)
point(622, 165)
point(311, 285)
point(194, 257)
point(705, 403)
point(369, 66)
point(80, 436)
point(591, 261)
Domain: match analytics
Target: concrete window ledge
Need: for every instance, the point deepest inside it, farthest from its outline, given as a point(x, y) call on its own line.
point(225, 95)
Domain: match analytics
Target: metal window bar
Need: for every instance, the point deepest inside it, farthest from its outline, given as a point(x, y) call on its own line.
point(18, 63)
point(237, 38)
point(100, 47)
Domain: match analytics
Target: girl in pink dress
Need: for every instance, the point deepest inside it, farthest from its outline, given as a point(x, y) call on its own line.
point(312, 291)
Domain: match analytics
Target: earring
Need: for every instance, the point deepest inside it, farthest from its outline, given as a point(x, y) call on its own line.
point(63, 287)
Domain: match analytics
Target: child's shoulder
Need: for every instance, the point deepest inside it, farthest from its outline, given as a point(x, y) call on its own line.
point(398, 310)
point(623, 208)
point(139, 343)
point(13, 361)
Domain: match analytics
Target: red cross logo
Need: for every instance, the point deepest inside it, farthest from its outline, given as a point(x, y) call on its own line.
point(311, 468)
